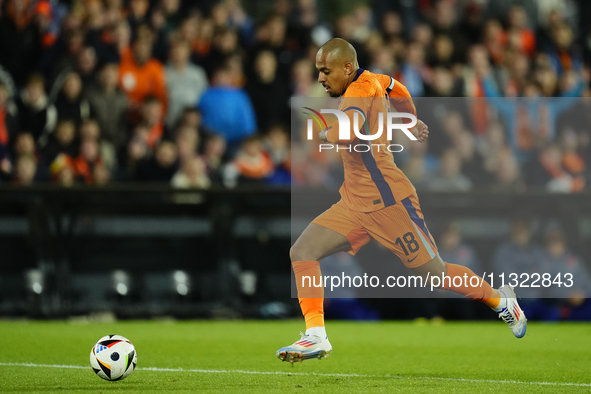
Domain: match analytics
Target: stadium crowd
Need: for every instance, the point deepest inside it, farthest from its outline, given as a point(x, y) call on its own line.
point(197, 93)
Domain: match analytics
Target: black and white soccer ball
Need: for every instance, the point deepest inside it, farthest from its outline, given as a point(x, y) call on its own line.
point(113, 357)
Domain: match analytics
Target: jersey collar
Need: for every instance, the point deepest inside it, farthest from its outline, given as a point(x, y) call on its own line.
point(357, 74)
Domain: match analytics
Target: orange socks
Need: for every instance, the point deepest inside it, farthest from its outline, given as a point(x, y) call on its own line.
point(311, 297)
point(483, 293)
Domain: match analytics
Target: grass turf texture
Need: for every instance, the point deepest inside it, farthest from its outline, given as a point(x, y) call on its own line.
point(389, 356)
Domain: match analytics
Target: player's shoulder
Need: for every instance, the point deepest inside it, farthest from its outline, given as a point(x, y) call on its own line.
point(384, 80)
point(365, 85)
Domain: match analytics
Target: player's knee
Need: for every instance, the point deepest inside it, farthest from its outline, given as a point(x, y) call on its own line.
point(295, 253)
point(299, 253)
point(434, 268)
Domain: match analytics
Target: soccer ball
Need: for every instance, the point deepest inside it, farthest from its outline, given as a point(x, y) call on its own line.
point(113, 357)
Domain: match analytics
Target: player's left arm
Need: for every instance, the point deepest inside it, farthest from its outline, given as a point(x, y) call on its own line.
point(421, 131)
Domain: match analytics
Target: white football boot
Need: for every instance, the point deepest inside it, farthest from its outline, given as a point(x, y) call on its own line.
point(511, 313)
point(307, 347)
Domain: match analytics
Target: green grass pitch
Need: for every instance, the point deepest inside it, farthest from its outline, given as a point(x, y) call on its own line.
point(239, 357)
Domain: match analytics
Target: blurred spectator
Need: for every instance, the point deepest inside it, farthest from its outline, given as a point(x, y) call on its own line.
point(26, 167)
point(20, 39)
point(140, 75)
point(224, 44)
point(198, 33)
point(252, 163)
point(172, 12)
point(101, 175)
point(548, 171)
point(191, 174)
point(418, 163)
point(70, 103)
point(86, 63)
point(572, 158)
point(213, 154)
point(271, 35)
point(227, 110)
point(443, 51)
point(383, 61)
point(472, 162)
point(109, 105)
point(564, 266)
point(88, 159)
point(391, 25)
point(416, 171)
point(532, 121)
point(468, 48)
point(454, 251)
point(519, 36)
point(36, 114)
point(520, 255)
point(136, 151)
point(62, 171)
point(61, 57)
point(151, 118)
point(62, 140)
point(268, 93)
point(414, 70)
point(185, 81)
point(304, 81)
point(90, 130)
point(445, 25)
point(491, 144)
point(8, 117)
point(507, 173)
point(472, 22)
point(138, 14)
point(6, 164)
point(518, 68)
point(24, 144)
point(564, 56)
point(162, 166)
point(450, 178)
point(495, 40)
point(187, 142)
point(191, 117)
point(276, 143)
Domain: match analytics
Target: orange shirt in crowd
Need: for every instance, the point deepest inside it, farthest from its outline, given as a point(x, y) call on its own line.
point(140, 81)
point(257, 167)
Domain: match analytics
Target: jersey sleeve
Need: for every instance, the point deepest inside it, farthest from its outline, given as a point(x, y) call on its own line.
point(398, 94)
point(401, 100)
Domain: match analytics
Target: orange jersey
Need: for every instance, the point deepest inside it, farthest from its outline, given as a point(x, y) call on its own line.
point(372, 180)
point(398, 94)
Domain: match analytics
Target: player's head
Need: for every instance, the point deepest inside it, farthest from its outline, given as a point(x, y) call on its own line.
point(337, 64)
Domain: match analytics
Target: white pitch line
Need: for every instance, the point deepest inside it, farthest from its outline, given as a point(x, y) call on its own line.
point(345, 375)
